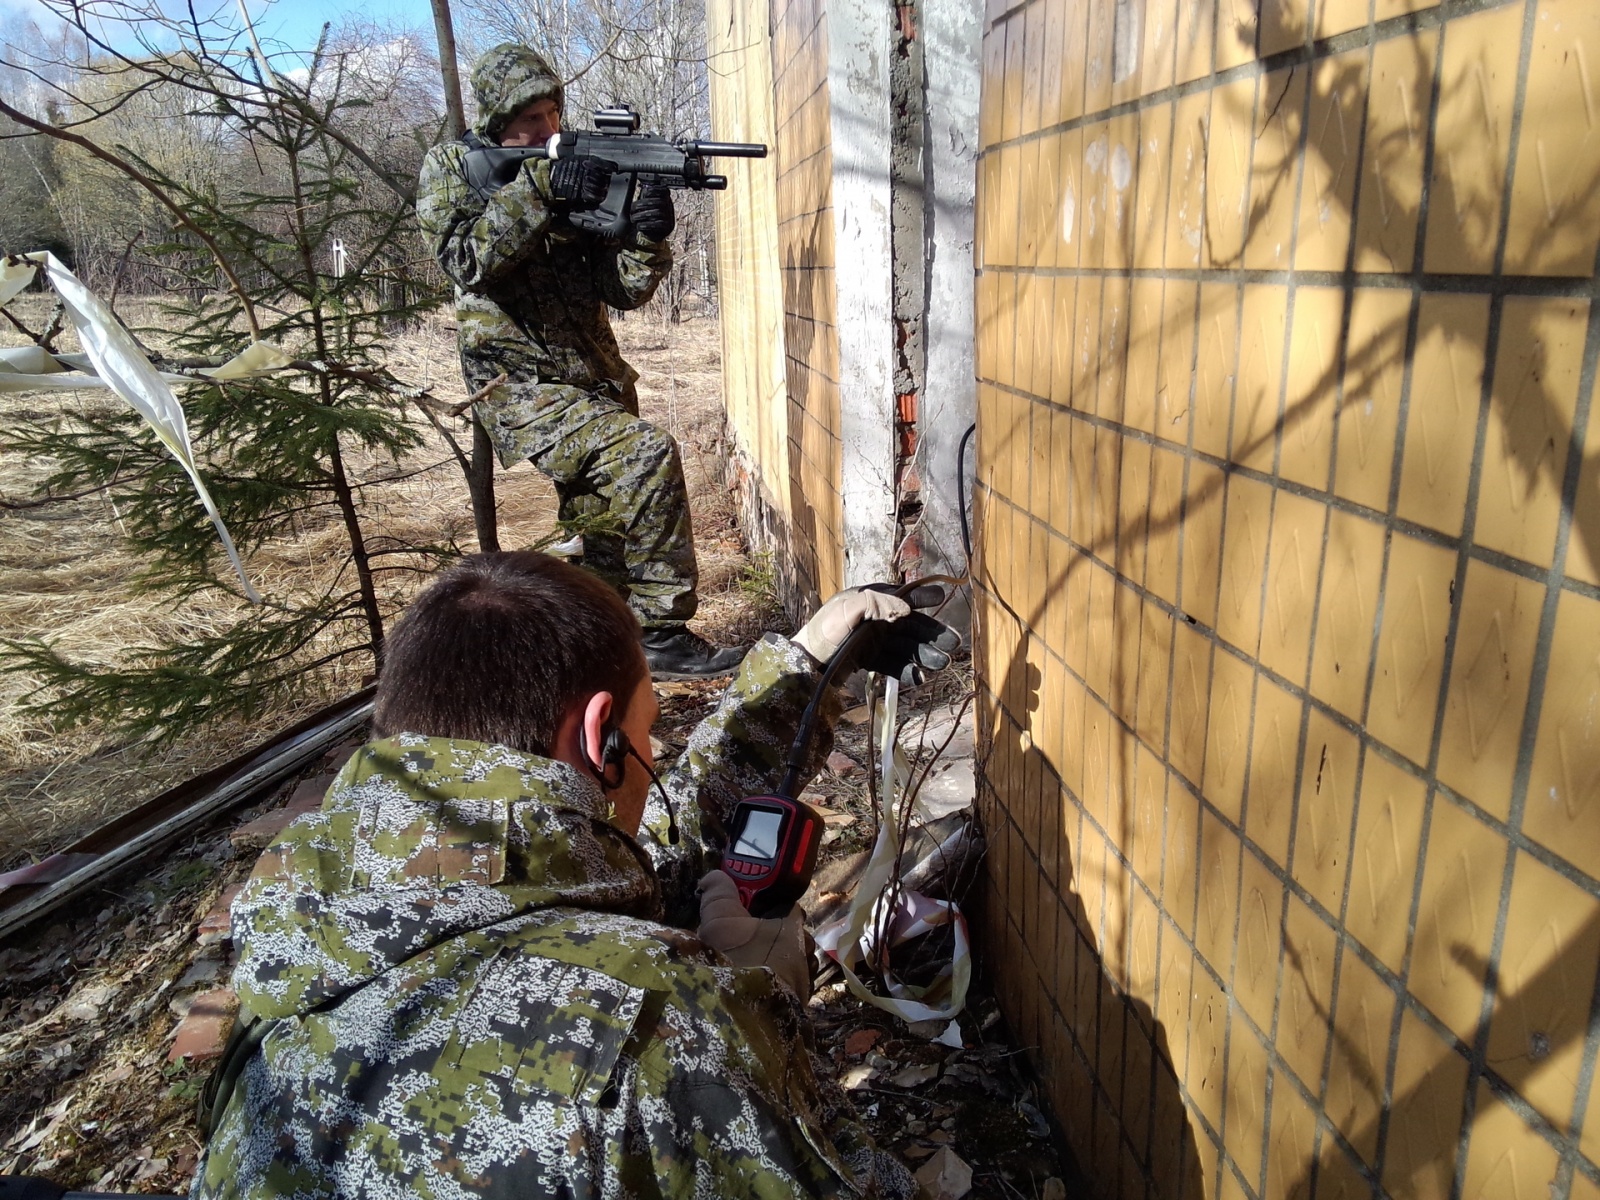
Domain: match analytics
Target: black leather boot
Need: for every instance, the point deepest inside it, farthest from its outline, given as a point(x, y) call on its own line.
point(673, 652)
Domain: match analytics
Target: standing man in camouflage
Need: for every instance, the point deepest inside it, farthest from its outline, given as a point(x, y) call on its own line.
point(531, 297)
point(458, 978)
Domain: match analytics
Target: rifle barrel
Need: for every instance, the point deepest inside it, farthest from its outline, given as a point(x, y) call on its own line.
point(730, 149)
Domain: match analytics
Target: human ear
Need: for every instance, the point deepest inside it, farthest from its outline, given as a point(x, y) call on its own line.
point(595, 720)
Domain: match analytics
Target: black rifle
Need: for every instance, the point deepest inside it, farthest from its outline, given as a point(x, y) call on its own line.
point(637, 156)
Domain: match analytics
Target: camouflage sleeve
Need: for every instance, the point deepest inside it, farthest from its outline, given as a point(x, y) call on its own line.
point(626, 276)
point(478, 241)
point(738, 751)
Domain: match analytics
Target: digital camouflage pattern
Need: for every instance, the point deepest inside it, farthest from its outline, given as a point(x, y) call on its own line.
point(531, 298)
point(472, 993)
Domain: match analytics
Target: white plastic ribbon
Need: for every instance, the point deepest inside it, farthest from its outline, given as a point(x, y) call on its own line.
point(854, 938)
point(35, 369)
point(122, 366)
point(15, 274)
point(255, 359)
point(30, 360)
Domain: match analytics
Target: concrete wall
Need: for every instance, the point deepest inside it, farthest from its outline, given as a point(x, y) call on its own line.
point(750, 282)
point(858, 75)
point(806, 238)
point(873, 171)
point(951, 38)
point(1289, 496)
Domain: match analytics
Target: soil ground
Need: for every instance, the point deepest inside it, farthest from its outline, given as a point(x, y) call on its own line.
point(66, 575)
point(88, 1007)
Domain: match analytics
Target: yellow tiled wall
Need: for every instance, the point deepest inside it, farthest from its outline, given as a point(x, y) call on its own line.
point(1289, 628)
point(749, 282)
point(805, 248)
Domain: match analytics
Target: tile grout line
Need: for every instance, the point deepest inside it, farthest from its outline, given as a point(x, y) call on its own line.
point(1178, 591)
point(1390, 522)
point(1430, 18)
point(1442, 282)
point(1203, 254)
point(1280, 432)
point(1476, 1060)
point(1583, 418)
point(1144, 1155)
point(1396, 480)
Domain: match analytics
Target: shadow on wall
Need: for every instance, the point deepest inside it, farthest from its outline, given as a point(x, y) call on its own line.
point(802, 266)
point(1114, 1035)
point(1426, 368)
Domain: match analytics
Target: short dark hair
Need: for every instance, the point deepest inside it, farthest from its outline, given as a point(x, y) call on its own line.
point(500, 646)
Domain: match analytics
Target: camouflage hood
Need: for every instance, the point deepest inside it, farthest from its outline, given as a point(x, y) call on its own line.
point(420, 840)
point(505, 81)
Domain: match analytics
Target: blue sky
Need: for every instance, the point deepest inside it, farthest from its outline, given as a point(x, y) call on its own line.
point(298, 22)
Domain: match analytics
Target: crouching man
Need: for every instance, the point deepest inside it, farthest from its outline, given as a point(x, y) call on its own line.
point(459, 977)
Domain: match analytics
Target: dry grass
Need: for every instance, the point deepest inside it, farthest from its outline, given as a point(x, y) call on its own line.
point(66, 573)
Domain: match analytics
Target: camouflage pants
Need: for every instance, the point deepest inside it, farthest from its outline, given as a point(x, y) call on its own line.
point(620, 481)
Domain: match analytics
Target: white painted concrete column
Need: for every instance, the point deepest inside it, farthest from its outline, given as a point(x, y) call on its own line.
point(952, 41)
point(858, 92)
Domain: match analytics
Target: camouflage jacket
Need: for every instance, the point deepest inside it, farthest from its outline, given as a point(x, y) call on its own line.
point(468, 991)
point(531, 291)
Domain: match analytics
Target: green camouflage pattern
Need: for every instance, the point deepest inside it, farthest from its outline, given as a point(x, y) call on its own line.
point(532, 294)
point(471, 991)
point(505, 80)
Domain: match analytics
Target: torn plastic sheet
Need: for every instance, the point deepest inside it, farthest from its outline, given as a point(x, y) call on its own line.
point(47, 870)
point(853, 938)
point(255, 359)
point(35, 369)
point(118, 361)
point(913, 915)
point(15, 274)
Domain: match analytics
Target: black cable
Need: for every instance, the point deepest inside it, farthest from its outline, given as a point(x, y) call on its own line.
point(808, 720)
point(672, 816)
point(961, 490)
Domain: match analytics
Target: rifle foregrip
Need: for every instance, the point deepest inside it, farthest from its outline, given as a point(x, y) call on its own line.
point(610, 218)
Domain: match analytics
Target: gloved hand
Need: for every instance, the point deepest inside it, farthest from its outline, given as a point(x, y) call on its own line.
point(748, 941)
point(653, 215)
point(898, 641)
point(580, 182)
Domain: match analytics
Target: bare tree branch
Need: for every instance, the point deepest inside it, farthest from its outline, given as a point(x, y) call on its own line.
point(155, 190)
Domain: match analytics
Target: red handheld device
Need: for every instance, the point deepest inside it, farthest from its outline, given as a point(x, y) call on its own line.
point(772, 852)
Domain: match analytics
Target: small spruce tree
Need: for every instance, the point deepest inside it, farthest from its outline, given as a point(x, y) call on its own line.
point(252, 258)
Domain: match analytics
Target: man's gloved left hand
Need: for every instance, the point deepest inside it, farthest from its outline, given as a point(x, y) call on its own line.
point(748, 941)
point(653, 215)
point(898, 639)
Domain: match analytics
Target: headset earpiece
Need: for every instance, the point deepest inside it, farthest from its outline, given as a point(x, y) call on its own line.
point(614, 748)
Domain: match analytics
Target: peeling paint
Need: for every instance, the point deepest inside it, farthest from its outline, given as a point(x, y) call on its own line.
point(1121, 168)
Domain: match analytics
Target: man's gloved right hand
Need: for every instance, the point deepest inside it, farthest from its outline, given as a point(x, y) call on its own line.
point(578, 183)
point(653, 215)
point(746, 941)
point(898, 639)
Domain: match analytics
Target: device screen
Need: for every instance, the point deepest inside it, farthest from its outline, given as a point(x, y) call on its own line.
point(759, 837)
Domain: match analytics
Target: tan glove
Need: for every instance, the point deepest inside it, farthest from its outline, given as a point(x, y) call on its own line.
point(822, 636)
point(747, 941)
point(895, 639)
